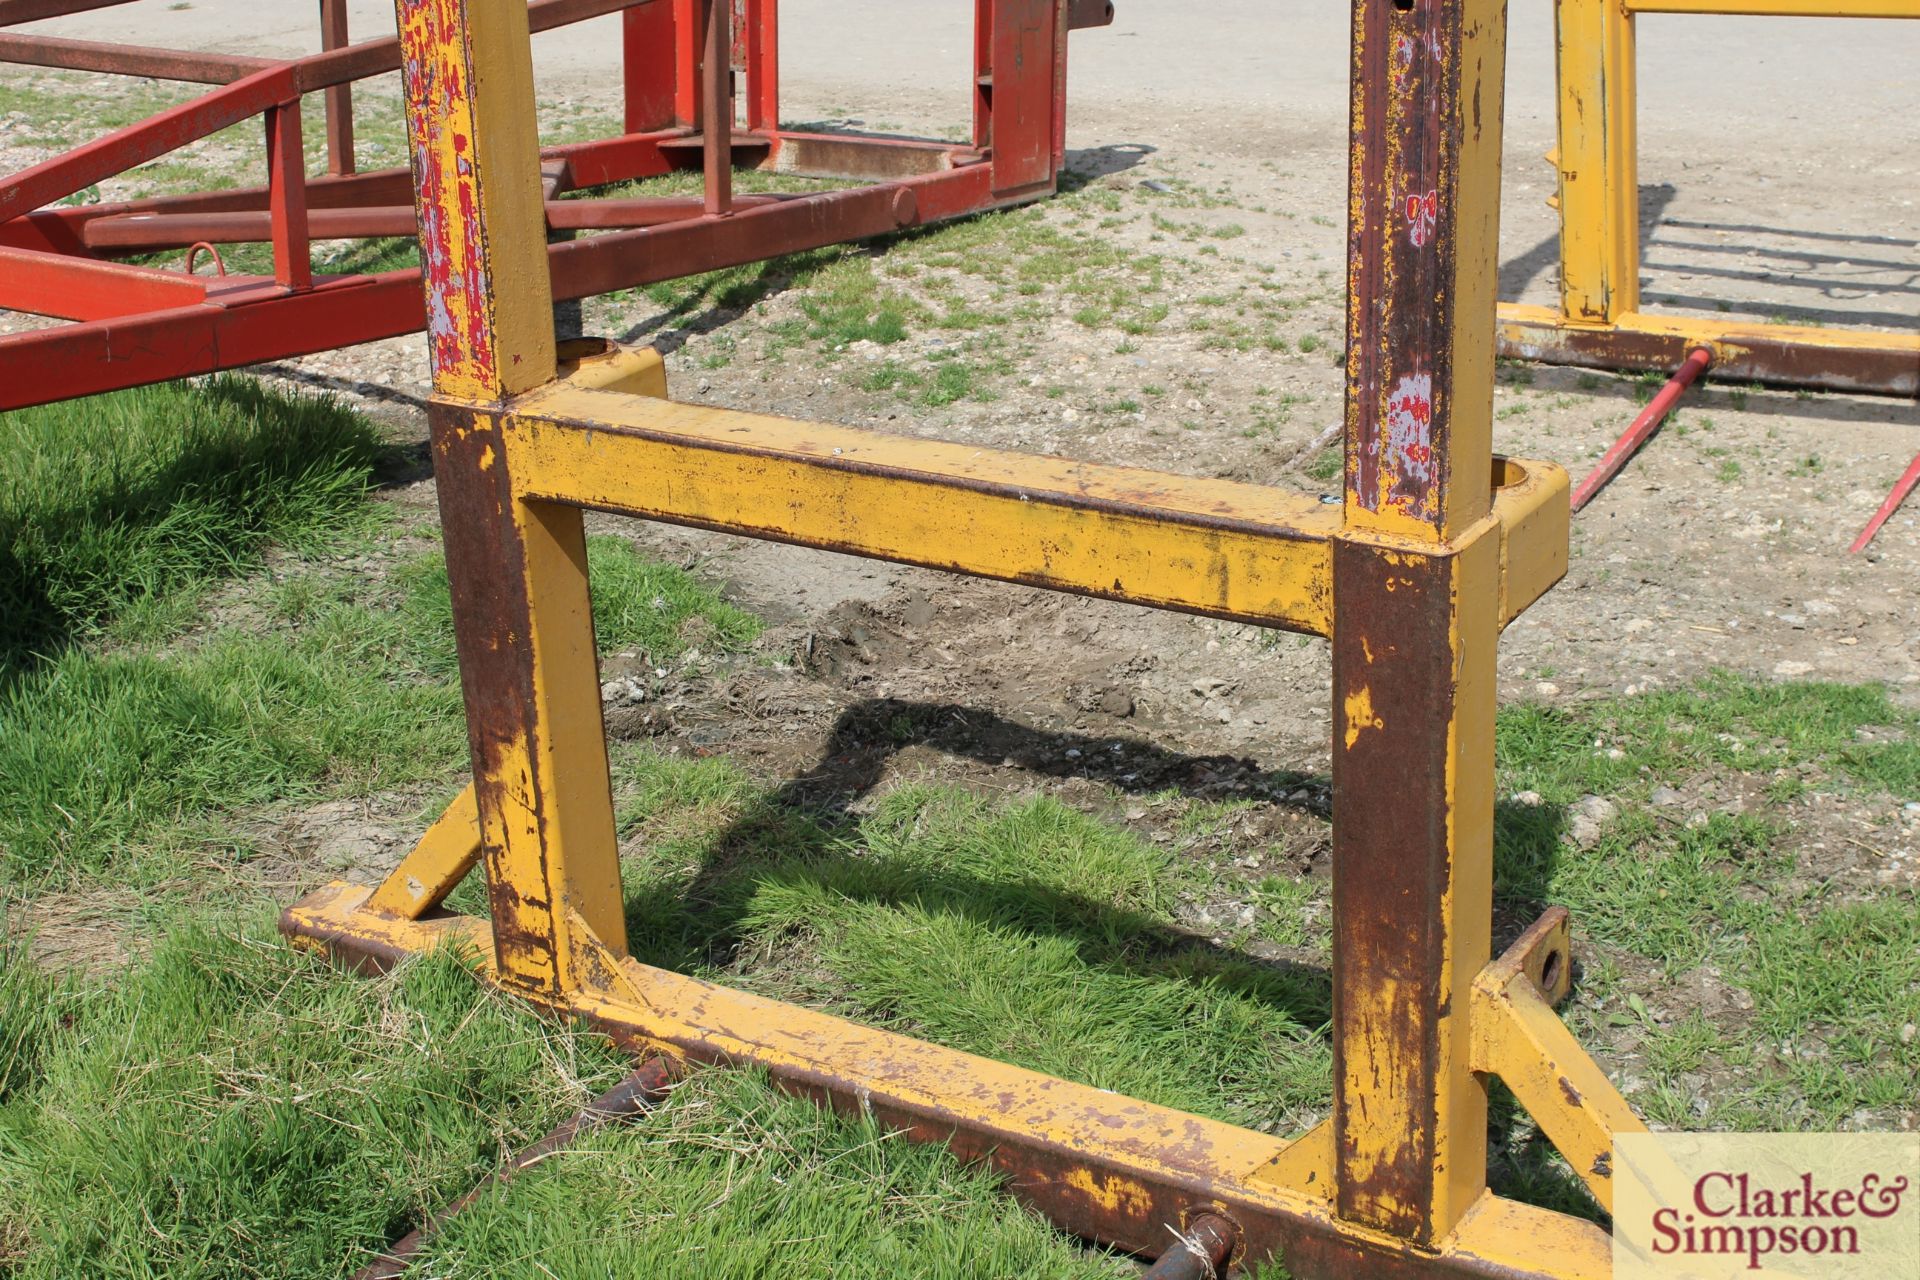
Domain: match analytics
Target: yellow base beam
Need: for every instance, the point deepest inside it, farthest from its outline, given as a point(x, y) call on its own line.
point(1782, 8)
point(1248, 553)
point(1773, 354)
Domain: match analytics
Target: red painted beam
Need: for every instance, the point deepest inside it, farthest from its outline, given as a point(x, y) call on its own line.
point(144, 232)
point(129, 59)
point(75, 288)
point(1697, 363)
point(15, 12)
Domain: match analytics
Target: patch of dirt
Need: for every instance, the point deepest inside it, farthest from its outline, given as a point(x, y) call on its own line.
point(89, 932)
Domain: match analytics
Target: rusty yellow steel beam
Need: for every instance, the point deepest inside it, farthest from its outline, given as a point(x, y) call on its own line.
point(1775, 354)
point(436, 865)
point(1417, 603)
point(1783, 8)
point(517, 572)
point(1244, 552)
point(1102, 1165)
point(1596, 160)
point(1599, 323)
point(1231, 550)
point(1434, 544)
point(1519, 1038)
point(476, 158)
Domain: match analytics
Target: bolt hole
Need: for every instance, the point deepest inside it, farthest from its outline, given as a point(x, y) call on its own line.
point(1550, 971)
point(1404, 6)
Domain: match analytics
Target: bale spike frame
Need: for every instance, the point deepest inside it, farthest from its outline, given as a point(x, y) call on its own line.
point(1437, 545)
point(135, 324)
point(1599, 323)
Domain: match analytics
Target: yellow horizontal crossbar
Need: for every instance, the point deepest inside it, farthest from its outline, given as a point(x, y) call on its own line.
point(1783, 8)
point(1239, 551)
point(1244, 552)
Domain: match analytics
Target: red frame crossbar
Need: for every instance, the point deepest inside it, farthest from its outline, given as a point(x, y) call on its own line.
point(134, 324)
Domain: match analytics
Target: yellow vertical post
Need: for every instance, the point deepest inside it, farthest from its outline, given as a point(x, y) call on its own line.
point(1599, 170)
point(1416, 605)
point(517, 569)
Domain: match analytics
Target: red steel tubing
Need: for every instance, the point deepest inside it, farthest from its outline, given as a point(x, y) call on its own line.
point(287, 197)
point(129, 59)
point(1901, 488)
point(76, 288)
point(1698, 361)
point(763, 65)
point(716, 108)
point(14, 12)
point(148, 231)
point(339, 99)
point(242, 323)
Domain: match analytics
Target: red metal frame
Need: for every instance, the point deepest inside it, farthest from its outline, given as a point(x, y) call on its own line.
point(135, 324)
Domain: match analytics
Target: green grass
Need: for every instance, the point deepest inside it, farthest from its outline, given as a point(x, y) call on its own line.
point(231, 1108)
point(1327, 464)
point(125, 505)
point(1831, 969)
point(110, 756)
point(1724, 722)
point(1027, 932)
point(731, 1181)
point(105, 757)
point(639, 605)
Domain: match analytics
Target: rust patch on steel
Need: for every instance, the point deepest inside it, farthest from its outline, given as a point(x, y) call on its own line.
point(1753, 358)
point(1392, 652)
point(483, 550)
point(452, 253)
point(1571, 1094)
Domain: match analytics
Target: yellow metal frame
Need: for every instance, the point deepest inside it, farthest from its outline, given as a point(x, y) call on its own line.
point(1600, 321)
point(1436, 546)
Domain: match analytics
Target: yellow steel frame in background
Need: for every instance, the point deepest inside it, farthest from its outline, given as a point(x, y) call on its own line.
point(1600, 322)
point(1436, 545)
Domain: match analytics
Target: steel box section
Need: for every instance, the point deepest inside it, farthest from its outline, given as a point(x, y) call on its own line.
point(1856, 360)
point(1241, 552)
point(1102, 1166)
point(145, 324)
point(1599, 323)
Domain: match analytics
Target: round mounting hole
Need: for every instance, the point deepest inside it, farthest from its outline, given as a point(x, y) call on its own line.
point(1550, 971)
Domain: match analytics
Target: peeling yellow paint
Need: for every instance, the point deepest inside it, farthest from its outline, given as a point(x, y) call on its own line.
point(1117, 1195)
point(1360, 714)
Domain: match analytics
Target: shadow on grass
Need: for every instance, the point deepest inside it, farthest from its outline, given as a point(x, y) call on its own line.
point(118, 502)
point(814, 835)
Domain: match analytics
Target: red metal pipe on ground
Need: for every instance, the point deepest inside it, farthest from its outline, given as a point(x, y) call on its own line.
point(1698, 361)
point(1901, 488)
